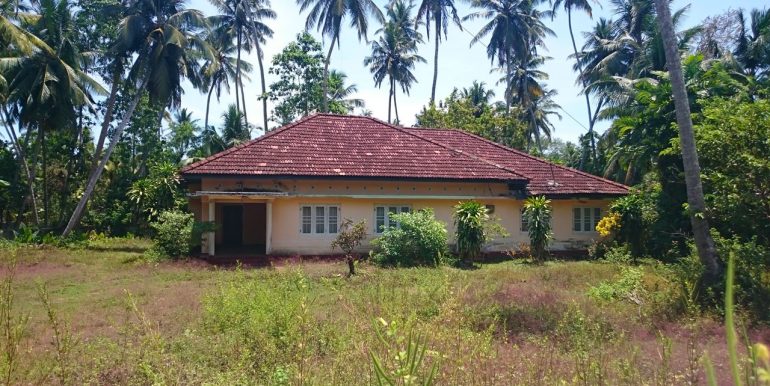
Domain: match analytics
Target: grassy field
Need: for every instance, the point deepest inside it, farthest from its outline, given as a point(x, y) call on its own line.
point(113, 319)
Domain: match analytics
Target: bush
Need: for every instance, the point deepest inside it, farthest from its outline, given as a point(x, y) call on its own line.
point(419, 239)
point(629, 286)
point(618, 254)
point(538, 210)
point(173, 234)
point(752, 274)
point(470, 217)
point(752, 277)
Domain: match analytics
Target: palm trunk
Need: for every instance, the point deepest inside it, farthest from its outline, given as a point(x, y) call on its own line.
point(243, 100)
point(697, 206)
point(46, 197)
point(238, 72)
point(395, 103)
point(94, 177)
point(34, 158)
point(264, 87)
point(588, 98)
point(25, 163)
point(390, 98)
point(508, 82)
point(325, 100)
point(208, 104)
point(437, 37)
point(107, 116)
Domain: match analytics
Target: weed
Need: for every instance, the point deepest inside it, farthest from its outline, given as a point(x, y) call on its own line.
point(64, 342)
point(14, 326)
point(404, 359)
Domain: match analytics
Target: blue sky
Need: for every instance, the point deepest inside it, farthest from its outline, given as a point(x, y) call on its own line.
point(459, 63)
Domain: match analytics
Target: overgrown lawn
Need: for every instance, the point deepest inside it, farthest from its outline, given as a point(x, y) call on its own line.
point(130, 322)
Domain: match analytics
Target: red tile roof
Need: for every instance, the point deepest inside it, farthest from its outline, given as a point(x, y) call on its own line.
point(326, 145)
point(544, 177)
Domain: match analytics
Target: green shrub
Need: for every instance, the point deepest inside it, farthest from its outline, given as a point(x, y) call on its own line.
point(538, 211)
point(470, 217)
point(629, 286)
point(618, 254)
point(752, 274)
point(173, 234)
point(419, 239)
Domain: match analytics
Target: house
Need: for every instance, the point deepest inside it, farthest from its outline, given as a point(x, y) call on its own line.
point(287, 191)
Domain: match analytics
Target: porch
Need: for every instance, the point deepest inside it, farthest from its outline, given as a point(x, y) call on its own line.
point(243, 222)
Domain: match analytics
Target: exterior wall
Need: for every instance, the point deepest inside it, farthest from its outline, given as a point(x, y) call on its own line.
point(357, 200)
point(287, 238)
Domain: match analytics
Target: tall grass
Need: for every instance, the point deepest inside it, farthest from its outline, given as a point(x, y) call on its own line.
point(509, 323)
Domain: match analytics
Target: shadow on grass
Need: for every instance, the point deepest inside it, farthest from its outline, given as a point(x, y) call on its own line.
point(117, 248)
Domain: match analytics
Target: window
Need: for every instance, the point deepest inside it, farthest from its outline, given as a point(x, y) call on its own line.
point(585, 219)
point(319, 219)
point(382, 218)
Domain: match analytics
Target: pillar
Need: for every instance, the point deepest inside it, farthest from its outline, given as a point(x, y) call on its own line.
point(269, 226)
point(212, 235)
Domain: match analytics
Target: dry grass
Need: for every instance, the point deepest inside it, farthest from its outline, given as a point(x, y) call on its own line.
point(305, 323)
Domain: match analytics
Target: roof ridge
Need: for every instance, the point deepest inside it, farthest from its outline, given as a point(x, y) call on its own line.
point(445, 146)
point(250, 142)
point(525, 154)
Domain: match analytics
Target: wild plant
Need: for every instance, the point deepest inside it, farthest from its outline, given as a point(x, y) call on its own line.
point(404, 363)
point(759, 354)
point(64, 341)
point(14, 326)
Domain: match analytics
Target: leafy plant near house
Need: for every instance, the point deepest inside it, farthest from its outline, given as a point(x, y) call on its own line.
point(469, 224)
point(538, 212)
point(417, 239)
point(474, 227)
point(173, 234)
point(350, 236)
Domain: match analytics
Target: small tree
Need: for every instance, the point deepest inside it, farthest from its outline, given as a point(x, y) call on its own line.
point(470, 217)
point(348, 239)
point(537, 211)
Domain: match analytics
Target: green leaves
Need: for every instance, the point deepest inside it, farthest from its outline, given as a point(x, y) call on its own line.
point(538, 212)
point(470, 218)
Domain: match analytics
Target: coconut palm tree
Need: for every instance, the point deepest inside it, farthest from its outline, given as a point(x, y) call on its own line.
point(569, 6)
point(160, 37)
point(261, 11)
point(394, 53)
point(47, 87)
point(479, 96)
point(327, 16)
point(618, 52)
point(753, 48)
point(697, 206)
point(236, 21)
point(515, 29)
point(235, 129)
point(223, 67)
point(340, 94)
point(437, 12)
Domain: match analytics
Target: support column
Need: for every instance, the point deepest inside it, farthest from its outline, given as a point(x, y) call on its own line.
point(268, 227)
point(212, 240)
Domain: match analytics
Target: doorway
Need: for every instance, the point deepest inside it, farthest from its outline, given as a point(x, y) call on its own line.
point(242, 229)
point(232, 225)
